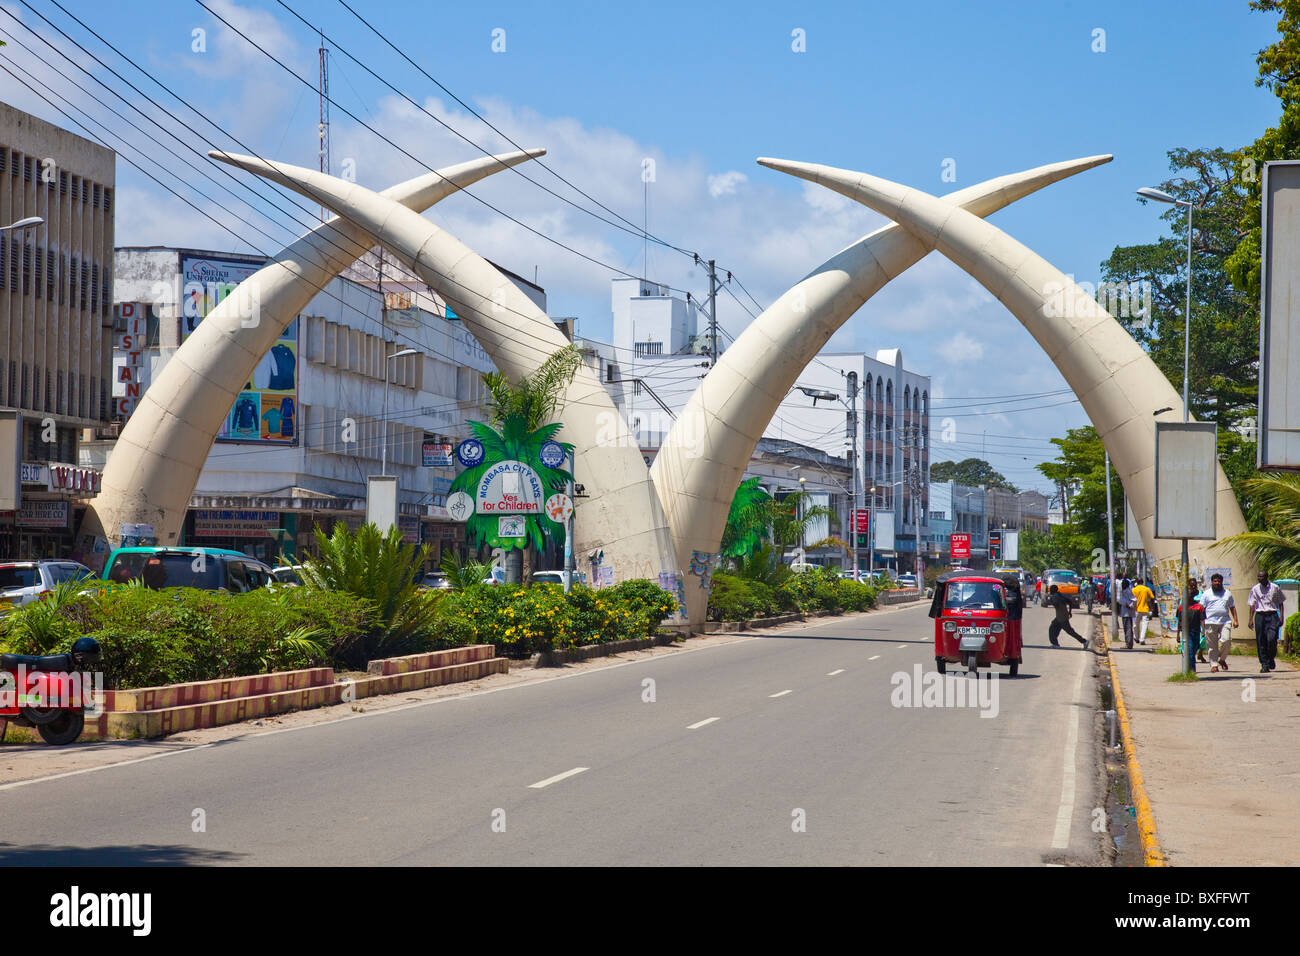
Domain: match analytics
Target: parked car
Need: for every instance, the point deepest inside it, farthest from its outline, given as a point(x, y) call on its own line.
point(208, 569)
point(22, 582)
point(495, 576)
point(435, 581)
point(907, 581)
point(287, 575)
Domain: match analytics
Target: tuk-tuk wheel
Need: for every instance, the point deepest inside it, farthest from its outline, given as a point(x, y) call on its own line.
point(1015, 668)
point(972, 662)
point(941, 665)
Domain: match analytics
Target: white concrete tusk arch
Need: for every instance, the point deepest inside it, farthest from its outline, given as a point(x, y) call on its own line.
point(621, 515)
point(155, 464)
point(1114, 379)
point(704, 455)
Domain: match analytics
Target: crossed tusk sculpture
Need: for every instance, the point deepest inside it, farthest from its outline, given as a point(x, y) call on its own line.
point(664, 523)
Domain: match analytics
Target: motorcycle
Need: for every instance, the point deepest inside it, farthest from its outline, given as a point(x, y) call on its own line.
point(48, 692)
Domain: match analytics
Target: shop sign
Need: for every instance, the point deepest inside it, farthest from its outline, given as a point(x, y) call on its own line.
point(437, 455)
point(37, 513)
point(33, 474)
point(235, 524)
point(409, 525)
point(73, 479)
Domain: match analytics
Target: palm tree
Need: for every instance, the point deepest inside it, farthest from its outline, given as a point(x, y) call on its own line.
point(537, 398)
point(1277, 548)
point(749, 521)
point(793, 515)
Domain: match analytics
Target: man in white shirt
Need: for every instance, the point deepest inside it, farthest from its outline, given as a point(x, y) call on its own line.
point(1219, 609)
point(1266, 600)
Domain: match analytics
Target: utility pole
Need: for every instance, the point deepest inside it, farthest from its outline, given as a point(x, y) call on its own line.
point(853, 468)
point(1110, 553)
point(713, 313)
point(323, 130)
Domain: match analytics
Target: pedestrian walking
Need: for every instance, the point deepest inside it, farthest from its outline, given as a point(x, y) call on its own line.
point(1266, 600)
point(1144, 601)
point(1062, 621)
point(1195, 623)
point(1219, 609)
point(1126, 603)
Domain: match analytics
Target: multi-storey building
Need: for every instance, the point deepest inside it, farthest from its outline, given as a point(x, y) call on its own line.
point(55, 324)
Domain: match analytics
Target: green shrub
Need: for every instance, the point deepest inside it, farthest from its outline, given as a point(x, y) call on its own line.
point(646, 599)
point(734, 598)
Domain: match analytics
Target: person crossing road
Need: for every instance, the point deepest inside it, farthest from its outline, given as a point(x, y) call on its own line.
point(1062, 620)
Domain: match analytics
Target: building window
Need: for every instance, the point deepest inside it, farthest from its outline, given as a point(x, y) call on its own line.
point(642, 349)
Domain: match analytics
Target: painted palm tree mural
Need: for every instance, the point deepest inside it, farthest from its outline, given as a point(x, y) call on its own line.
point(520, 426)
point(514, 442)
point(749, 521)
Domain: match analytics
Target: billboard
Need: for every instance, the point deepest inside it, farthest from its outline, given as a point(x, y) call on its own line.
point(959, 547)
point(266, 410)
point(884, 531)
point(1279, 324)
point(1186, 475)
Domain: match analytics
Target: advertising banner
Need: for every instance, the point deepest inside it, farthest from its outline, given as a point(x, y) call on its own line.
point(266, 411)
point(437, 454)
point(959, 547)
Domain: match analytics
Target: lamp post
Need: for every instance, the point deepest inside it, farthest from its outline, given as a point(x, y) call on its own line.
point(383, 460)
point(1146, 192)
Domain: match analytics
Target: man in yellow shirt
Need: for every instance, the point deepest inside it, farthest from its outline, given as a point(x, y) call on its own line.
point(1145, 600)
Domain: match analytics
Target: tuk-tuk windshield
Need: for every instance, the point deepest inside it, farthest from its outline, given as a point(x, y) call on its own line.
point(974, 596)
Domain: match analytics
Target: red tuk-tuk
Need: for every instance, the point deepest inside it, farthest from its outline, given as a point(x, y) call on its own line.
point(977, 619)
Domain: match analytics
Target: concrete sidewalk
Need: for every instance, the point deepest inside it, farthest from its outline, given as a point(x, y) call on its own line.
point(1221, 768)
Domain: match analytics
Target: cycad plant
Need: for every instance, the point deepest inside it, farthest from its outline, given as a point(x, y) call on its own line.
point(381, 568)
point(463, 575)
point(1277, 548)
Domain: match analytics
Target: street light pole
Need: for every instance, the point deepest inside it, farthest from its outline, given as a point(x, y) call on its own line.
point(383, 459)
point(1184, 585)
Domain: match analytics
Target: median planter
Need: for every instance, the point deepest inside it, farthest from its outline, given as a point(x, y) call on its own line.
point(568, 655)
point(158, 711)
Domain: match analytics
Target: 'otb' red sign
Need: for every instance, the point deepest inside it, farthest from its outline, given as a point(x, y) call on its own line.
point(959, 546)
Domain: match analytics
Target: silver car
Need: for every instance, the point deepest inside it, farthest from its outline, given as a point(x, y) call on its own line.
point(22, 582)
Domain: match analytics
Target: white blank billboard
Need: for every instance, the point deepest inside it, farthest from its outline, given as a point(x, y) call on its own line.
point(884, 531)
point(1279, 326)
point(1186, 473)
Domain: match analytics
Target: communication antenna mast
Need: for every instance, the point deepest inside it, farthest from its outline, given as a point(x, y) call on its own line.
point(323, 130)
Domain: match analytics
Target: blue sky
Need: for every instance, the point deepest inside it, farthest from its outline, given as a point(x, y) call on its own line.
point(892, 89)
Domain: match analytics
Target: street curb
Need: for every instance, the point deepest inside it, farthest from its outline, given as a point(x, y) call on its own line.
point(1146, 821)
point(569, 655)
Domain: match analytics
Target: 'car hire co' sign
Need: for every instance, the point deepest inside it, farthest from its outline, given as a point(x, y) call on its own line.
point(510, 488)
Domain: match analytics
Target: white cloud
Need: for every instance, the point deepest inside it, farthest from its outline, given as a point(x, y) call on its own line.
point(726, 183)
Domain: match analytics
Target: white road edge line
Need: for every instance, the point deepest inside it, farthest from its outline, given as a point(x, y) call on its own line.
point(557, 778)
point(700, 723)
point(874, 657)
point(902, 646)
point(781, 693)
point(1061, 839)
point(836, 671)
point(108, 766)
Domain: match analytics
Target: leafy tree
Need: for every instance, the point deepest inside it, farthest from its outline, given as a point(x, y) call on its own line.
point(970, 471)
point(1223, 361)
point(1279, 72)
point(1081, 466)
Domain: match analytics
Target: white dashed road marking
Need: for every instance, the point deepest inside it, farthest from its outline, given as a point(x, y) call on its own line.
point(697, 725)
point(557, 778)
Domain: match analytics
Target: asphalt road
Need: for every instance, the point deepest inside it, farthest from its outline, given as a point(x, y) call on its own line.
point(783, 749)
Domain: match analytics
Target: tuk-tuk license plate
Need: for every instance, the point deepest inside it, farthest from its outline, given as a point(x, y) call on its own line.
point(973, 631)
